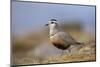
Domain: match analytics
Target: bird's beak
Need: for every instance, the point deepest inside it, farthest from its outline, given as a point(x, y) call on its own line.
point(46, 24)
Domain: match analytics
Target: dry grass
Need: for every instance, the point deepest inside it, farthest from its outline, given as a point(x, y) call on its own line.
point(71, 58)
point(84, 54)
point(21, 48)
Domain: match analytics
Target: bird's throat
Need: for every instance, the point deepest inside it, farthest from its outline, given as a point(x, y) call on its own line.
point(53, 32)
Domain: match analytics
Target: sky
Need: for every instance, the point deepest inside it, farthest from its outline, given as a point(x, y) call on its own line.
point(32, 16)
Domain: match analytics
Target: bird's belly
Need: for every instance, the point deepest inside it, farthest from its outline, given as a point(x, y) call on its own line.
point(61, 46)
point(59, 43)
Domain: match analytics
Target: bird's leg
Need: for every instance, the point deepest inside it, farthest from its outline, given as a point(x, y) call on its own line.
point(62, 52)
point(69, 50)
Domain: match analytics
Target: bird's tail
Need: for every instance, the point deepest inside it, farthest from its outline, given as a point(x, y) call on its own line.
point(78, 43)
point(85, 43)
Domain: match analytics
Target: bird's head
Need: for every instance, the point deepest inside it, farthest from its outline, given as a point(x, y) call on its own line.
point(52, 23)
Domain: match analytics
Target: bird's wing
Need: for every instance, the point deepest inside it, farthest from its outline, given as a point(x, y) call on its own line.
point(66, 38)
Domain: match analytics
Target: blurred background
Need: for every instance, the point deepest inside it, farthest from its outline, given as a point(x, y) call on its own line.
point(30, 39)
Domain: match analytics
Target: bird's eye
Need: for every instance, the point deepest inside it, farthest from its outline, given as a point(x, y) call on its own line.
point(52, 22)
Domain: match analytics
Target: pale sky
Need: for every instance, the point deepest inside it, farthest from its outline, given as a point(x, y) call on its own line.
point(29, 16)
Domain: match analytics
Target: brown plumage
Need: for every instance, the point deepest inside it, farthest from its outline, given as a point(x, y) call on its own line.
point(62, 40)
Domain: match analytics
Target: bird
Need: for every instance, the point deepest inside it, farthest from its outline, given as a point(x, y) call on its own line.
point(60, 39)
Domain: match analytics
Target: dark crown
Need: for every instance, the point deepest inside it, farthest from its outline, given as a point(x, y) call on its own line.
point(53, 20)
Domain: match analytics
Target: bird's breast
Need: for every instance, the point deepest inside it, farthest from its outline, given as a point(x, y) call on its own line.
point(57, 42)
